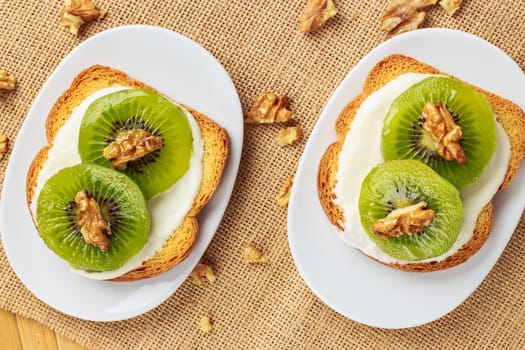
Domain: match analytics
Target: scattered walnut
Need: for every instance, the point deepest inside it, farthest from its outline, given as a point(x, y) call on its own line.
point(284, 193)
point(93, 227)
point(131, 145)
point(205, 324)
point(356, 15)
point(445, 134)
point(408, 220)
point(451, 6)
point(289, 135)
point(3, 145)
point(202, 272)
point(269, 108)
point(77, 12)
point(253, 255)
point(7, 82)
point(404, 15)
point(315, 14)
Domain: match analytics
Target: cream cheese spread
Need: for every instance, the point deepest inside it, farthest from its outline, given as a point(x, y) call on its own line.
point(361, 152)
point(167, 209)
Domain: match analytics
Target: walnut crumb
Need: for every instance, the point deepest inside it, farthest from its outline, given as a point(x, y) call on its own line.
point(253, 255)
point(315, 14)
point(7, 82)
point(283, 197)
point(206, 325)
point(289, 135)
point(404, 15)
point(408, 220)
point(201, 273)
point(3, 145)
point(269, 108)
point(77, 12)
point(451, 6)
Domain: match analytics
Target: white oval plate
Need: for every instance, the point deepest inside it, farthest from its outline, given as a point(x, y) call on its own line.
point(184, 71)
point(356, 286)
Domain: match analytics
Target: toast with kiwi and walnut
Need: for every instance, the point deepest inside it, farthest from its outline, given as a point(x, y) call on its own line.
point(215, 152)
point(509, 115)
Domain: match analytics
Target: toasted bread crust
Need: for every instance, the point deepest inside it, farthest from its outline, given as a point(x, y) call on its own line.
point(511, 117)
point(216, 148)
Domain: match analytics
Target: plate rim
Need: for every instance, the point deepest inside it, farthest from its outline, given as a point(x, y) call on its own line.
point(387, 47)
point(219, 204)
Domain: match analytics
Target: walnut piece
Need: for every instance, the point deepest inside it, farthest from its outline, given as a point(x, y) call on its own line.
point(269, 108)
point(131, 145)
point(445, 134)
point(201, 273)
point(3, 145)
point(93, 227)
point(77, 12)
point(408, 220)
point(404, 15)
point(283, 197)
point(315, 14)
point(253, 255)
point(7, 82)
point(289, 135)
point(451, 6)
point(205, 324)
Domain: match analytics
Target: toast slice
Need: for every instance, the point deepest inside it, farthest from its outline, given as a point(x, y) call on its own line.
point(509, 115)
point(216, 147)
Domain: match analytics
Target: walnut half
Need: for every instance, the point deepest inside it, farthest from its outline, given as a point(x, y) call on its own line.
point(77, 12)
point(131, 145)
point(269, 108)
point(445, 134)
point(93, 227)
point(404, 15)
point(315, 14)
point(408, 220)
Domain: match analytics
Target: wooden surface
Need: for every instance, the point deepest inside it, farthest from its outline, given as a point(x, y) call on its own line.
point(19, 333)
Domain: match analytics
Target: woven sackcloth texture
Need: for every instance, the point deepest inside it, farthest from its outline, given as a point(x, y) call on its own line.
point(261, 306)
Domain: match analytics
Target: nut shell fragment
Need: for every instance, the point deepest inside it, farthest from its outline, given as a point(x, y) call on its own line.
point(315, 14)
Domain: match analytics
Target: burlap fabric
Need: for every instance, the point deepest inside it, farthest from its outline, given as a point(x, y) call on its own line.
point(265, 306)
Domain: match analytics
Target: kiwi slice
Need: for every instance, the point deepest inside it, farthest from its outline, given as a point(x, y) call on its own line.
point(112, 115)
point(404, 137)
point(120, 202)
point(399, 183)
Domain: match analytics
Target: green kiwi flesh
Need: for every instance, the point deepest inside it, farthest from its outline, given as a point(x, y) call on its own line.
point(400, 183)
point(404, 138)
point(121, 203)
point(131, 109)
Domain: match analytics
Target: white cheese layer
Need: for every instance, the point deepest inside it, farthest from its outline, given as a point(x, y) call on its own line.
point(361, 152)
point(167, 210)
